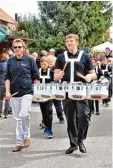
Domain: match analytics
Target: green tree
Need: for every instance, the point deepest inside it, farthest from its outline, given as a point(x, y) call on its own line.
point(57, 19)
point(84, 18)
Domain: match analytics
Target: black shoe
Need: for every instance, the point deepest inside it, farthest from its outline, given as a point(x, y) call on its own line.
point(106, 105)
point(92, 112)
point(97, 113)
point(5, 116)
point(71, 149)
point(10, 112)
point(82, 147)
point(61, 120)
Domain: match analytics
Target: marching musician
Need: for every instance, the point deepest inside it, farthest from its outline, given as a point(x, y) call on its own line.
point(57, 103)
point(99, 74)
point(46, 76)
point(107, 72)
point(76, 111)
point(21, 73)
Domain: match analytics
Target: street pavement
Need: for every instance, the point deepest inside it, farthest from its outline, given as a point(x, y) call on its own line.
point(50, 153)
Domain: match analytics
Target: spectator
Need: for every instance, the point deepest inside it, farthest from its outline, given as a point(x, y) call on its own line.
point(108, 53)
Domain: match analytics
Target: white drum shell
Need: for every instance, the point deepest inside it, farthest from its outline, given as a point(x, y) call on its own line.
point(58, 91)
point(97, 91)
point(43, 90)
point(36, 90)
point(77, 91)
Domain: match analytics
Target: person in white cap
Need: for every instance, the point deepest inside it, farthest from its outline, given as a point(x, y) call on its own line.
point(52, 51)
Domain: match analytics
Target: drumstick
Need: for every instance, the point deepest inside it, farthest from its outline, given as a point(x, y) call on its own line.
point(80, 75)
point(14, 94)
point(65, 66)
point(4, 100)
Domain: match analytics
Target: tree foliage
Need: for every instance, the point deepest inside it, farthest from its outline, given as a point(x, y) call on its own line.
point(57, 19)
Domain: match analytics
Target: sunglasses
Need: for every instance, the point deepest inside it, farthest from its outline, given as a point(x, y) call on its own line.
point(15, 47)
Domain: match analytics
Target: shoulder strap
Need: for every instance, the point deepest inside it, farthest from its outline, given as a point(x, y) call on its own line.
point(80, 55)
point(48, 72)
point(65, 56)
point(74, 59)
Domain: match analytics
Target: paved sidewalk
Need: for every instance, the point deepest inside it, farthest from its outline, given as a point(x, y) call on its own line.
point(50, 153)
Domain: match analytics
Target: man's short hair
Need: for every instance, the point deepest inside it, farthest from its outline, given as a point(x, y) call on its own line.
point(107, 48)
point(19, 41)
point(75, 36)
point(103, 58)
point(43, 53)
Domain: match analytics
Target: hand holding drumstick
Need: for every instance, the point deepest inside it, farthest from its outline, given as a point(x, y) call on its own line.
point(6, 98)
point(61, 73)
point(58, 74)
point(87, 78)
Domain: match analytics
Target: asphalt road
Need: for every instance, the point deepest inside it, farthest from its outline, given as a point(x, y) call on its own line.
point(50, 153)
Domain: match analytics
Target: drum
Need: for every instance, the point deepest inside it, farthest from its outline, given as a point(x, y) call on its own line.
point(37, 93)
point(36, 89)
point(59, 91)
point(43, 91)
point(46, 91)
point(77, 91)
point(97, 91)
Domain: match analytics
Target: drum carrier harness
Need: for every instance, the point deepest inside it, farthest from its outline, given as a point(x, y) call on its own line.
point(43, 77)
point(72, 61)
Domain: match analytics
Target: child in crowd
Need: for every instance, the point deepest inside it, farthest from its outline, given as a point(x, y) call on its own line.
point(46, 76)
point(57, 103)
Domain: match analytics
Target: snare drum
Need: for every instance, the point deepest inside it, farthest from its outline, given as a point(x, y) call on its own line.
point(58, 91)
point(97, 91)
point(44, 91)
point(37, 90)
point(77, 91)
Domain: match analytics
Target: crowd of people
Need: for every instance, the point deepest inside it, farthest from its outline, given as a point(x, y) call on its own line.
point(19, 70)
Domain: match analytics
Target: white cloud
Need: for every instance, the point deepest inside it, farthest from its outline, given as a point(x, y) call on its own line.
point(19, 6)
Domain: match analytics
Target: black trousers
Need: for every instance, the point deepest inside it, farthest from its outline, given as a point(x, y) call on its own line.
point(58, 107)
point(91, 105)
point(77, 115)
point(46, 109)
point(110, 88)
point(2, 92)
point(96, 105)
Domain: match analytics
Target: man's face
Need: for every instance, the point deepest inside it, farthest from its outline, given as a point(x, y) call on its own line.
point(104, 61)
point(107, 51)
point(71, 44)
point(18, 48)
point(51, 53)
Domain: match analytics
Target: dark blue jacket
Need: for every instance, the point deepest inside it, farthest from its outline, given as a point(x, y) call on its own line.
point(21, 73)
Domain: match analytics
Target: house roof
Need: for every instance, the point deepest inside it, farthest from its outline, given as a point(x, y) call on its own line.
point(7, 43)
point(28, 40)
point(6, 17)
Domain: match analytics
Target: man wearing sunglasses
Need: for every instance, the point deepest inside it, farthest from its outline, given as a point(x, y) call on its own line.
point(21, 73)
